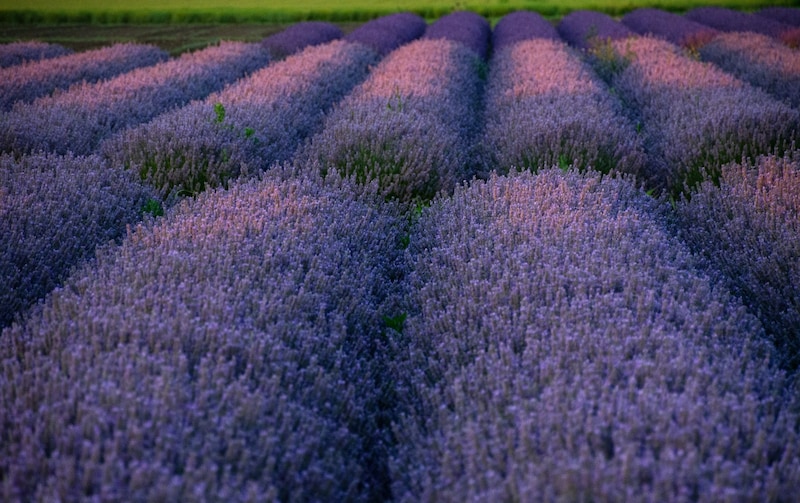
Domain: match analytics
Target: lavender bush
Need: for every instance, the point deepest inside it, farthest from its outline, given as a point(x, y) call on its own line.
point(408, 125)
point(298, 36)
point(225, 352)
point(78, 120)
point(24, 83)
point(786, 15)
point(759, 60)
point(748, 227)
point(519, 26)
point(54, 212)
point(726, 19)
point(563, 346)
point(16, 53)
point(387, 33)
point(545, 107)
point(248, 126)
point(467, 28)
point(586, 29)
point(695, 116)
point(669, 26)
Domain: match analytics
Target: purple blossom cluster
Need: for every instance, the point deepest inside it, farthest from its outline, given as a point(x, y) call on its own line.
point(747, 226)
point(298, 36)
point(726, 19)
point(519, 26)
point(669, 26)
point(16, 53)
point(24, 83)
point(223, 352)
point(387, 33)
point(245, 128)
point(586, 29)
point(563, 344)
point(545, 107)
point(54, 212)
point(80, 119)
point(464, 27)
point(695, 116)
point(786, 15)
point(759, 60)
point(408, 126)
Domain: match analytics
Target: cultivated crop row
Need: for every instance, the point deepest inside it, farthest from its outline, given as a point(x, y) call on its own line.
point(411, 263)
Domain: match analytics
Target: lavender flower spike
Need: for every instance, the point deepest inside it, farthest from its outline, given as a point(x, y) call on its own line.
point(467, 28)
point(585, 28)
point(672, 27)
point(521, 25)
point(387, 33)
point(299, 36)
point(16, 53)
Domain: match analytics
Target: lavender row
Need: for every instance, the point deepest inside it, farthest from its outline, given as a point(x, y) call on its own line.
point(79, 119)
point(786, 15)
point(245, 128)
point(586, 29)
point(726, 19)
point(16, 53)
point(545, 107)
point(298, 36)
point(223, 353)
point(562, 343)
point(387, 33)
point(467, 28)
point(408, 125)
point(759, 60)
point(55, 211)
point(39, 78)
point(520, 26)
point(748, 227)
point(675, 28)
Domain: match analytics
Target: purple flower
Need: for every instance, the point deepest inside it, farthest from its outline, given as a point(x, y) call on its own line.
point(299, 36)
point(672, 27)
point(563, 343)
point(467, 28)
point(54, 212)
point(242, 130)
point(16, 53)
point(408, 126)
point(24, 83)
point(759, 60)
point(80, 118)
point(786, 15)
point(585, 28)
point(746, 227)
point(545, 107)
point(228, 350)
point(519, 26)
point(725, 19)
point(387, 33)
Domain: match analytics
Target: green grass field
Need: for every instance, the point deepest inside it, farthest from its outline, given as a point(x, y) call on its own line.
point(282, 11)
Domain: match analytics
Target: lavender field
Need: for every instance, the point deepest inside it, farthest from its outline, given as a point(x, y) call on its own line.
point(448, 261)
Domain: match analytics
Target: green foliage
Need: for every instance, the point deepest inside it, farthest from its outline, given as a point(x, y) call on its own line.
point(395, 322)
point(153, 207)
point(219, 112)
